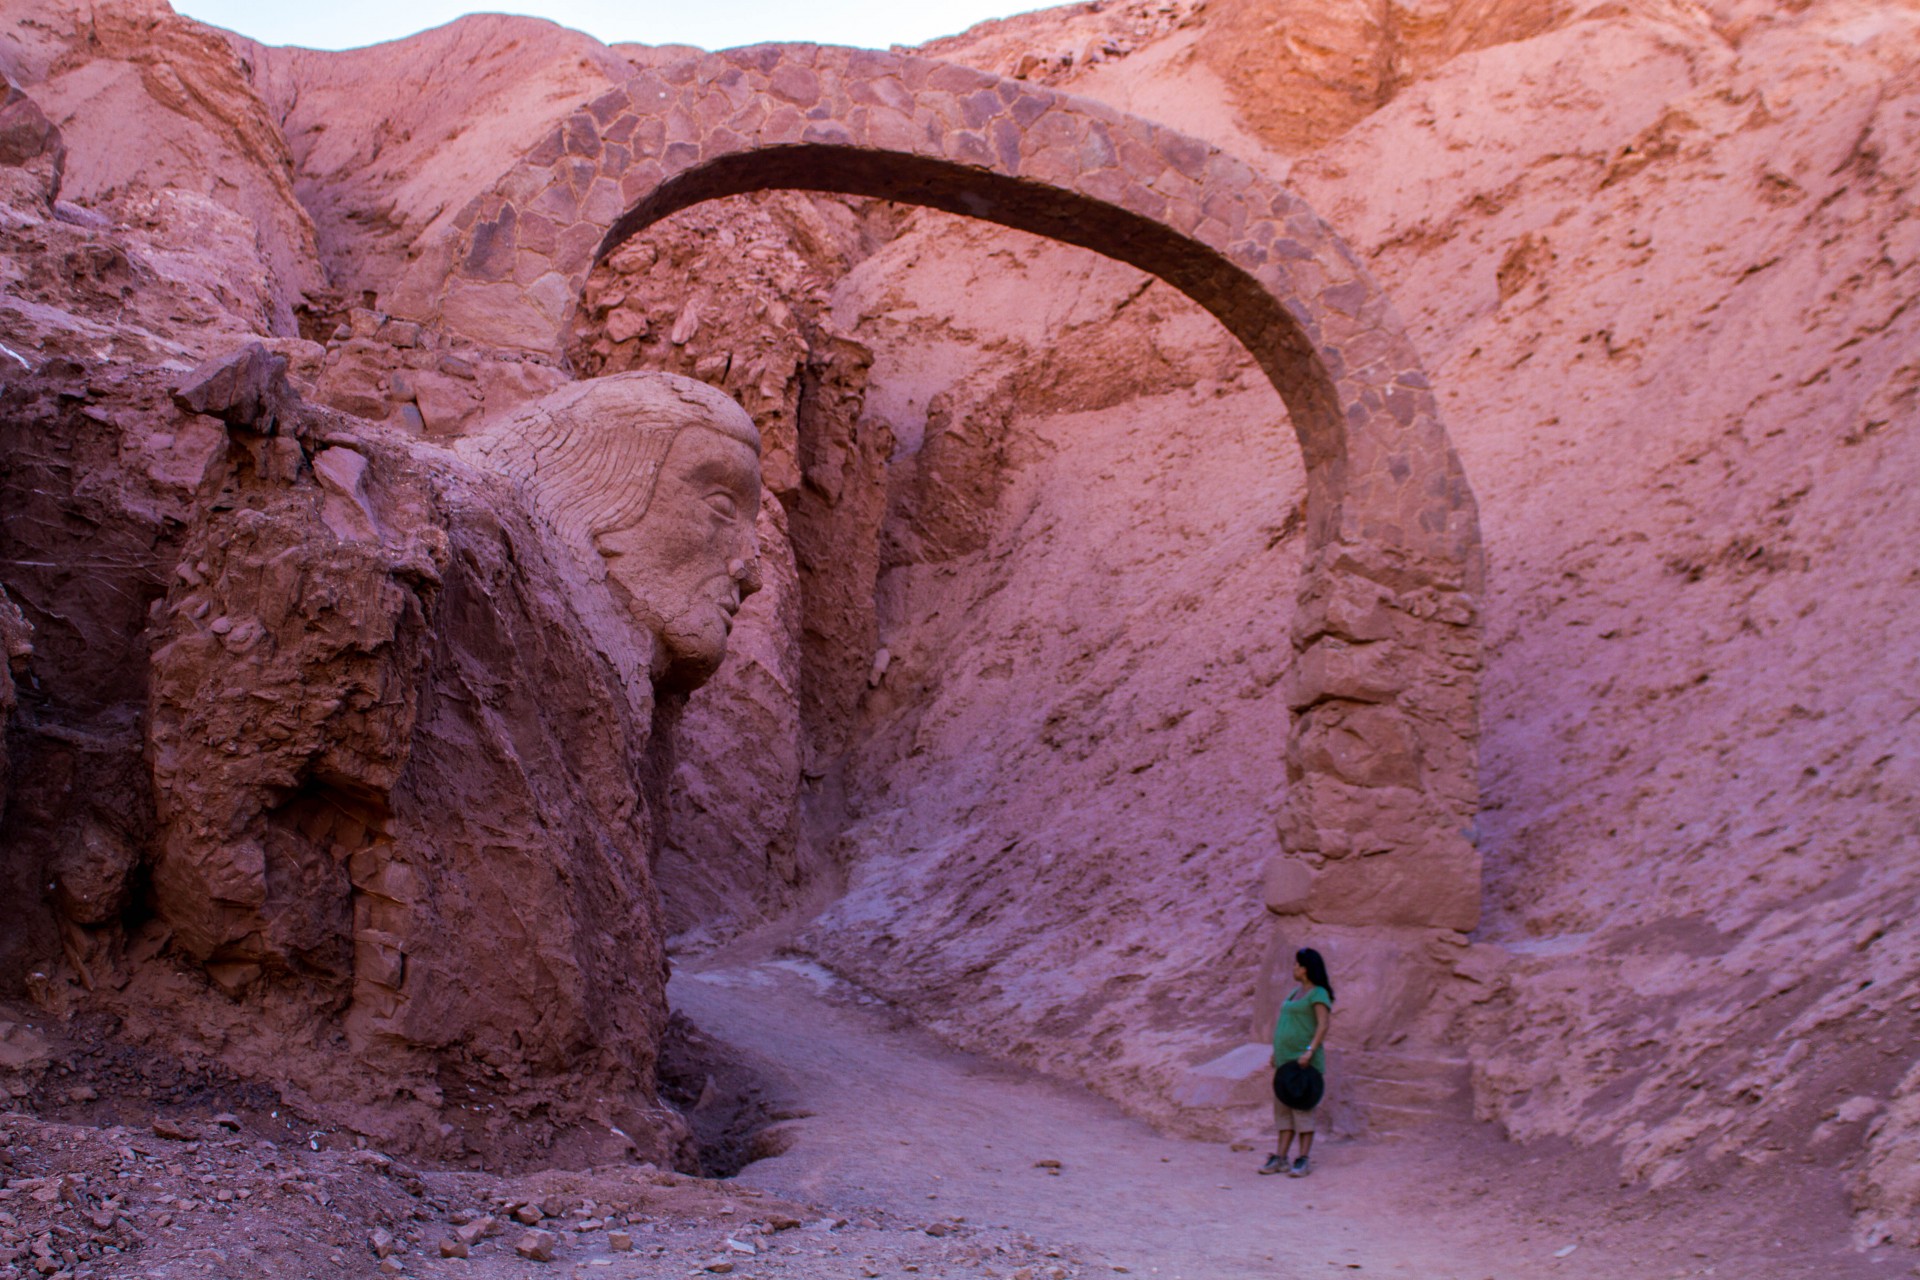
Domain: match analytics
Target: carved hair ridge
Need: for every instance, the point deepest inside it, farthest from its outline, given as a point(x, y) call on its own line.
point(588, 456)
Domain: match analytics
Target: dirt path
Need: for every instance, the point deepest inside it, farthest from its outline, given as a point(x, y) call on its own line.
point(906, 1126)
point(912, 1160)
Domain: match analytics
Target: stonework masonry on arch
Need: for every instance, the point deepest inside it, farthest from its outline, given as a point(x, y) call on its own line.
point(1381, 750)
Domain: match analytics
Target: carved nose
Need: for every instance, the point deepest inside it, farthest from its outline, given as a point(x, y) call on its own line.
point(747, 574)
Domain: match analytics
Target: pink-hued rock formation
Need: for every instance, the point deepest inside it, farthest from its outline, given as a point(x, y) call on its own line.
point(152, 106)
point(389, 736)
point(1660, 261)
point(1007, 722)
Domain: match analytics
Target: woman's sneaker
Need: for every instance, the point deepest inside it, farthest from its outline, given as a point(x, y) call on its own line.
point(1299, 1169)
point(1274, 1164)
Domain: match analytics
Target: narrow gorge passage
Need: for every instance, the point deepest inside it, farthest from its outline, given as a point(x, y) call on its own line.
point(903, 1126)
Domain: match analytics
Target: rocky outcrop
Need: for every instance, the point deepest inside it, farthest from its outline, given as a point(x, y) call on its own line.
point(155, 106)
point(30, 141)
point(389, 142)
point(384, 742)
point(1303, 72)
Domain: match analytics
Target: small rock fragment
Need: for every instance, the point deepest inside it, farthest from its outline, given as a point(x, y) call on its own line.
point(687, 324)
point(536, 1246)
point(528, 1215)
point(382, 1243)
point(245, 388)
point(453, 1247)
point(620, 1241)
point(626, 324)
point(171, 1129)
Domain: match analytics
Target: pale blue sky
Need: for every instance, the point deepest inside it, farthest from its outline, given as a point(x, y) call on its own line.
point(711, 24)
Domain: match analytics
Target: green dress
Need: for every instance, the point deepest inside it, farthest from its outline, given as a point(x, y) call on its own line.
point(1293, 1031)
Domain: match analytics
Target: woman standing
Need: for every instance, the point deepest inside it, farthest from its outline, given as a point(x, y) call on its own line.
point(1299, 1035)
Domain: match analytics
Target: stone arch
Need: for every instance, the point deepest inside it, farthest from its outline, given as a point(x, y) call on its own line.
point(1382, 747)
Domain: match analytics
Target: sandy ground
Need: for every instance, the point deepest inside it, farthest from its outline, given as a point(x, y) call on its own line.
point(899, 1156)
point(901, 1125)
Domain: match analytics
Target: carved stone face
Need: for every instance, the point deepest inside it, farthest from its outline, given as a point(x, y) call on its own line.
point(651, 482)
point(684, 566)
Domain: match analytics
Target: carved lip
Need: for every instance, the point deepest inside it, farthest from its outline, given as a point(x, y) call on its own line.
point(730, 602)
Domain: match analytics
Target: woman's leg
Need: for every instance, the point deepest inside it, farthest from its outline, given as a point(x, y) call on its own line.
point(1283, 1126)
point(1304, 1123)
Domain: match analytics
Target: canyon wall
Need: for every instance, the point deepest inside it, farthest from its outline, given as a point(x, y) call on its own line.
point(1672, 310)
point(1661, 258)
point(1006, 723)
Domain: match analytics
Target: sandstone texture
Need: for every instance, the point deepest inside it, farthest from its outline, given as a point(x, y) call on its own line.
point(1005, 736)
point(157, 108)
point(1659, 260)
point(331, 802)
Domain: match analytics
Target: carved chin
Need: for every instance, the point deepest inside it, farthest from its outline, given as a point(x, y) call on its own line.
point(694, 653)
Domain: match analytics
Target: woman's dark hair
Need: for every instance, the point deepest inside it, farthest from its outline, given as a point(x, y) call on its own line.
point(1309, 959)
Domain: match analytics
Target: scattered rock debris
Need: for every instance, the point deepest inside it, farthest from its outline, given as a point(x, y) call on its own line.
point(80, 1202)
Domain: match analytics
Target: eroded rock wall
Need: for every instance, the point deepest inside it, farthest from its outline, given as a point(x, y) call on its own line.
point(1667, 287)
point(314, 729)
point(158, 111)
point(389, 142)
point(93, 517)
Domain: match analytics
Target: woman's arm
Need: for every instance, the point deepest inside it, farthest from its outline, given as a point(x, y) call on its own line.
point(1322, 1019)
